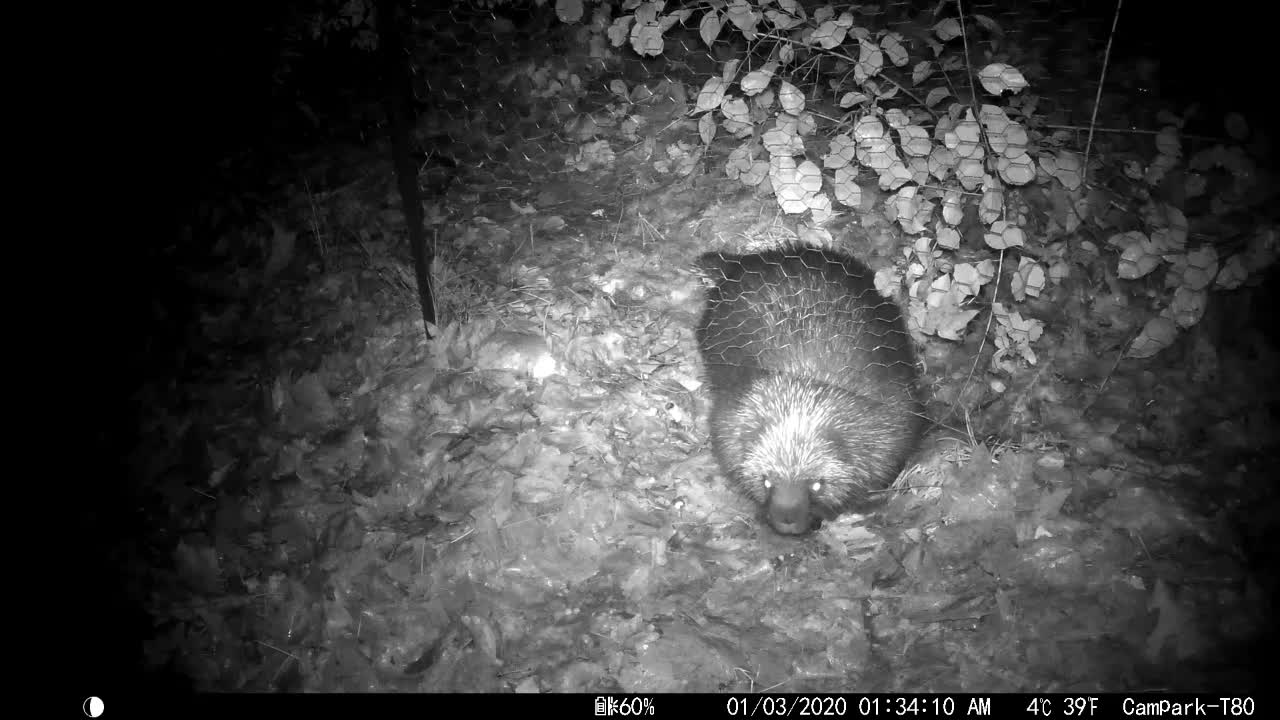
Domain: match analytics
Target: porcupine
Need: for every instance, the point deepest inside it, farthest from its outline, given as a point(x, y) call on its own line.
point(812, 379)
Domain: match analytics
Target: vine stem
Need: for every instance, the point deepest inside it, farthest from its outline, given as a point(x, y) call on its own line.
point(1097, 98)
point(853, 61)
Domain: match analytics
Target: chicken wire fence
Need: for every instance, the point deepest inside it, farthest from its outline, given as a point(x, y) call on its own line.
point(805, 99)
point(511, 84)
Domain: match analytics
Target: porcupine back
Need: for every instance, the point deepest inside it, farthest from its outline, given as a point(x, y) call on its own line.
point(812, 378)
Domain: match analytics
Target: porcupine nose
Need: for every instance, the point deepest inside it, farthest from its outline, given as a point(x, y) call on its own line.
point(789, 509)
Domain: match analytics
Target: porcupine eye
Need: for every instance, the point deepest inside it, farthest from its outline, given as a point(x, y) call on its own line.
point(765, 481)
point(816, 487)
